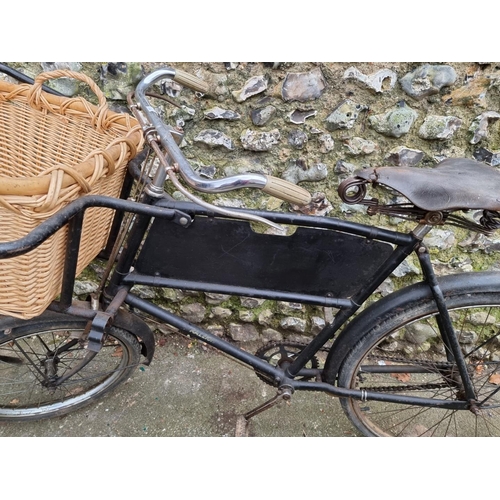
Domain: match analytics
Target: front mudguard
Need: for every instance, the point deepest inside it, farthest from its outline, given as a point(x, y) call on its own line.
point(124, 320)
point(399, 301)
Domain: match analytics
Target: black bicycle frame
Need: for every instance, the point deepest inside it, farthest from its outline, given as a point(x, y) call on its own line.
point(182, 215)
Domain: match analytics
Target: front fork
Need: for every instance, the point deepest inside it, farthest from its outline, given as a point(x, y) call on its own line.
point(453, 350)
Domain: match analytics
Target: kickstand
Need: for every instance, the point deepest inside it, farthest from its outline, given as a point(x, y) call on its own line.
point(243, 421)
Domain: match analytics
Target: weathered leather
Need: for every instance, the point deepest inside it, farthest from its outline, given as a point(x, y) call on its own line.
point(453, 184)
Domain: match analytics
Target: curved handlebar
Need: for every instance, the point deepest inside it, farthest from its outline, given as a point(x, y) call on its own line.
point(271, 185)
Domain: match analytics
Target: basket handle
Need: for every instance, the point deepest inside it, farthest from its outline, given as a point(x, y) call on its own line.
point(37, 100)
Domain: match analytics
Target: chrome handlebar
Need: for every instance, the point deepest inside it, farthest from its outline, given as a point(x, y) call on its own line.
point(271, 185)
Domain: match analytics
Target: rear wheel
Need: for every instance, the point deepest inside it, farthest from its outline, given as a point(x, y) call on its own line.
point(404, 354)
point(37, 356)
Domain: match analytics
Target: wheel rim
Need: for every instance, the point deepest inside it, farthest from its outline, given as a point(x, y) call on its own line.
point(478, 329)
point(23, 373)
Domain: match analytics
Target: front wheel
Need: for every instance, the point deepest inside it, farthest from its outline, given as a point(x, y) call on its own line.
point(404, 354)
point(35, 356)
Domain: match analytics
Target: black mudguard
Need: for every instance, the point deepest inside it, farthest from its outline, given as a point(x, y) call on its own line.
point(124, 319)
point(402, 300)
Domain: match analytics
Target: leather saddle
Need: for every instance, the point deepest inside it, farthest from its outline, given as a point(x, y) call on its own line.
point(453, 184)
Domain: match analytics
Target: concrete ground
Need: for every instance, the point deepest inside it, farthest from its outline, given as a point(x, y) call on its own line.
point(191, 390)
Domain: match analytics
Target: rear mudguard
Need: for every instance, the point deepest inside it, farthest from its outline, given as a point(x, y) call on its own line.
point(401, 300)
point(124, 319)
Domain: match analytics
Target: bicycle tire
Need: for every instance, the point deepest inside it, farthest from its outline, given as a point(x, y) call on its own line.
point(405, 340)
point(26, 355)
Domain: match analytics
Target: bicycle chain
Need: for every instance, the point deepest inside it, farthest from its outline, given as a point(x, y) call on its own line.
point(438, 365)
point(398, 388)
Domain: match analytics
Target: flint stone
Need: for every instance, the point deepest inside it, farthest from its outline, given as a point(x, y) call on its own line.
point(374, 81)
point(265, 317)
point(488, 157)
point(428, 80)
point(66, 86)
point(303, 87)
point(300, 116)
point(221, 114)
point(297, 139)
point(270, 335)
point(214, 138)
point(261, 116)
point(222, 312)
point(216, 298)
point(293, 324)
point(246, 316)
point(479, 126)
point(359, 146)
point(441, 239)
point(344, 115)
point(253, 86)
point(243, 333)
point(405, 268)
point(195, 313)
point(251, 302)
point(259, 141)
point(317, 324)
point(326, 142)
point(395, 122)
point(439, 127)
point(296, 173)
point(471, 94)
point(404, 157)
point(418, 333)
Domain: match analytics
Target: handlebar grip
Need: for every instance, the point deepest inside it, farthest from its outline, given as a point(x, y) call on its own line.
point(284, 190)
point(191, 81)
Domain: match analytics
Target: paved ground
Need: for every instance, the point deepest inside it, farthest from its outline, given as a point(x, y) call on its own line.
point(190, 390)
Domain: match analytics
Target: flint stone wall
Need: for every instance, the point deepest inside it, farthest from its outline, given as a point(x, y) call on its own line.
point(314, 124)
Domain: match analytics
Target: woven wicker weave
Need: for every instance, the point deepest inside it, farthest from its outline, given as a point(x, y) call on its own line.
point(53, 150)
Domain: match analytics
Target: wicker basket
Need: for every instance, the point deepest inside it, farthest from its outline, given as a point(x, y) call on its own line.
point(53, 150)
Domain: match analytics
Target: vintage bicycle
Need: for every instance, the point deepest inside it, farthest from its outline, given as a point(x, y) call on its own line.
point(422, 361)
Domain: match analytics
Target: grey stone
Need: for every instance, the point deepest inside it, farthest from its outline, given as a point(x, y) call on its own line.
point(395, 122)
point(344, 167)
point(297, 138)
point(222, 312)
point(253, 86)
point(251, 302)
point(217, 330)
point(405, 268)
point(259, 141)
point(214, 138)
point(479, 126)
point(418, 333)
point(66, 86)
point(402, 156)
point(299, 173)
point(246, 316)
point(439, 127)
point(297, 325)
point(360, 146)
point(261, 116)
point(317, 324)
point(265, 317)
point(270, 335)
point(375, 81)
point(84, 287)
point(440, 238)
point(243, 333)
point(489, 157)
point(300, 116)
point(195, 313)
point(216, 298)
point(217, 113)
point(289, 307)
point(326, 142)
point(303, 87)
point(344, 115)
point(427, 80)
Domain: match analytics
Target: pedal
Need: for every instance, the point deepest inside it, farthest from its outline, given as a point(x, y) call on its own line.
point(242, 422)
